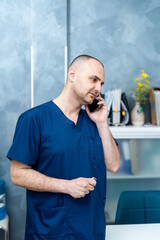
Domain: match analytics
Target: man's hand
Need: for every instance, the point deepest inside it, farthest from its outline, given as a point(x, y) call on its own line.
point(79, 187)
point(100, 115)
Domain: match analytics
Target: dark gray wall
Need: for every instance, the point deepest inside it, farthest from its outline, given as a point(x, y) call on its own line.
point(123, 34)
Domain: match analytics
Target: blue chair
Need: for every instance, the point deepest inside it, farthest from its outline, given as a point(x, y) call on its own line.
point(136, 207)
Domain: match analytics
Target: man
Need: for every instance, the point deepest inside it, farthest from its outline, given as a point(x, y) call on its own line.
point(60, 154)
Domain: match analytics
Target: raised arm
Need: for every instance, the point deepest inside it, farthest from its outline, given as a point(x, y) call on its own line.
point(110, 148)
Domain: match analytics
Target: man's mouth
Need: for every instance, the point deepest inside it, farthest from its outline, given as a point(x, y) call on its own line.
point(93, 94)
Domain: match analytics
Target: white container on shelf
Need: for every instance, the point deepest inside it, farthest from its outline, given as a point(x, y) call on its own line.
point(4, 226)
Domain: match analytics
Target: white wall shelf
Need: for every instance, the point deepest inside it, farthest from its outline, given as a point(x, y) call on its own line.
point(126, 176)
point(132, 132)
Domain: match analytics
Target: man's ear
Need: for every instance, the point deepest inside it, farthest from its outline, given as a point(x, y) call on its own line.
point(72, 74)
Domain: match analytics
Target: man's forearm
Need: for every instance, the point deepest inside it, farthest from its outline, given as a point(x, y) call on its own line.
point(24, 176)
point(110, 148)
point(36, 181)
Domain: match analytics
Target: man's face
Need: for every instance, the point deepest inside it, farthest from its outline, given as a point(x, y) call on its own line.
point(89, 79)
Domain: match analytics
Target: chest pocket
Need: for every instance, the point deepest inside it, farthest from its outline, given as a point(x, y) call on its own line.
point(96, 151)
point(97, 165)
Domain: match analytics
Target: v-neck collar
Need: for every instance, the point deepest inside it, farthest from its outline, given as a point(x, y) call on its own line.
point(58, 109)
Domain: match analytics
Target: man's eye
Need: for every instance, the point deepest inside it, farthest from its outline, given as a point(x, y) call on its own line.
point(94, 79)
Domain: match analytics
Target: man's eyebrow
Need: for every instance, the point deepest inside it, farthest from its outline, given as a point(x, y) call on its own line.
point(95, 76)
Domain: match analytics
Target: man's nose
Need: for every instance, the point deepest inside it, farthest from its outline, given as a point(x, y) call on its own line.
point(98, 88)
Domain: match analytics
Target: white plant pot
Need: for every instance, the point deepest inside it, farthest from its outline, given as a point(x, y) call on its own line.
point(137, 116)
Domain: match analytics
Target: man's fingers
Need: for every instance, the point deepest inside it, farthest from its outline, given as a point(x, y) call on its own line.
point(91, 188)
point(92, 181)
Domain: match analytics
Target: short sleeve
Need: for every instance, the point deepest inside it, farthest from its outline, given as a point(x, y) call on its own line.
point(26, 141)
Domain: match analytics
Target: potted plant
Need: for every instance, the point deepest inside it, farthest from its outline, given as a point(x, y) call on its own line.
point(140, 94)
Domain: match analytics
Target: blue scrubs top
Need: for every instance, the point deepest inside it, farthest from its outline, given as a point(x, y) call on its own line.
point(50, 143)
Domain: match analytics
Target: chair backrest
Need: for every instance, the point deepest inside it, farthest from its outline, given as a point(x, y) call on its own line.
point(138, 207)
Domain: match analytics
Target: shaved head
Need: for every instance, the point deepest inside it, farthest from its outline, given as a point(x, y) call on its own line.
point(80, 60)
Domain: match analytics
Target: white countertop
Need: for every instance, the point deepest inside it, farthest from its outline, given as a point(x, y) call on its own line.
point(133, 232)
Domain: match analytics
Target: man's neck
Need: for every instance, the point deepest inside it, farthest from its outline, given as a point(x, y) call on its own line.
point(69, 105)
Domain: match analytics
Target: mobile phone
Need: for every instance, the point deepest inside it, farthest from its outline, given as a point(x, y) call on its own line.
point(93, 106)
